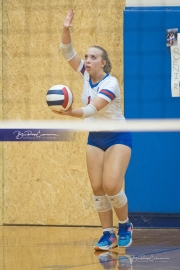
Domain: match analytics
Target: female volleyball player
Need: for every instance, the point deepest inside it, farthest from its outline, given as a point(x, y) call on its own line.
point(108, 153)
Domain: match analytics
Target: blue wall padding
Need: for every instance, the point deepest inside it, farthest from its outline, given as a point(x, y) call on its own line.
point(153, 177)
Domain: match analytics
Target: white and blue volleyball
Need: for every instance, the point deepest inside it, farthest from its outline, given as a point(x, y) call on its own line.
point(59, 97)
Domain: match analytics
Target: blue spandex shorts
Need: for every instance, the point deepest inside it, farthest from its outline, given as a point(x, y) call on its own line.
point(104, 140)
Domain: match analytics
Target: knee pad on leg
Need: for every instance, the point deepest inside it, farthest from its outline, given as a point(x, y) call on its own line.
point(118, 200)
point(102, 203)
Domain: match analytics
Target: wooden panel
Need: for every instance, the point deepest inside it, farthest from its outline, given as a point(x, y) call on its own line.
point(46, 183)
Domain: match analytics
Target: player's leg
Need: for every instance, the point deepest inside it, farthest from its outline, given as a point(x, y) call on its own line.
point(116, 160)
point(95, 159)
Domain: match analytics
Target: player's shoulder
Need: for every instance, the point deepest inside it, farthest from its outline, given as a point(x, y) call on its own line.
point(112, 80)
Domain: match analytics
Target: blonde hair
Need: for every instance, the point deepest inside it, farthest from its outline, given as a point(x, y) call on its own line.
point(108, 66)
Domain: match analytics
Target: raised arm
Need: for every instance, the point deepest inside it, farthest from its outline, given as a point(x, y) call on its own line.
point(66, 44)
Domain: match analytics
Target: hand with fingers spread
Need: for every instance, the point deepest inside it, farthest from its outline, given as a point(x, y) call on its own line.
point(69, 18)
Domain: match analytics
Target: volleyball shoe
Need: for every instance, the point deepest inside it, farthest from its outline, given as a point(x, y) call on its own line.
point(125, 234)
point(107, 241)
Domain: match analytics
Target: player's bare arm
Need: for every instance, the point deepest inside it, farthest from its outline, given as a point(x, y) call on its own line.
point(66, 44)
point(96, 105)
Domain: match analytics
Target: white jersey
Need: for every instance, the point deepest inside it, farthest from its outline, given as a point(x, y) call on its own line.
point(107, 88)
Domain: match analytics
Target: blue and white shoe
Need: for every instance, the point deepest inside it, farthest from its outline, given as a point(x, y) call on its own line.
point(125, 234)
point(107, 241)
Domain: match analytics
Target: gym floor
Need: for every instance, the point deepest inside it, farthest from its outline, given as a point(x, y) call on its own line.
point(58, 248)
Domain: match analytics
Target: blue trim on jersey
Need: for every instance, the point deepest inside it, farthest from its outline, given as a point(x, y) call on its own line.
point(108, 93)
point(96, 84)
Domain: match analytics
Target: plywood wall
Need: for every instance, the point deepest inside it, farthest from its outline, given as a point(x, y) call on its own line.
point(47, 182)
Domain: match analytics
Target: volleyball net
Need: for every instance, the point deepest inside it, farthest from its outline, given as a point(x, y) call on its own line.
point(47, 130)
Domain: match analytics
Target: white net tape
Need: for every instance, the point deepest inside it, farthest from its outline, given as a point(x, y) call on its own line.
point(134, 125)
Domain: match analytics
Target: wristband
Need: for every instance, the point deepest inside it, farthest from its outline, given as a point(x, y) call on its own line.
point(67, 51)
point(89, 110)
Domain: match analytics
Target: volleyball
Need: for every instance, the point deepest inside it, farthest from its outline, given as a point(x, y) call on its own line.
point(59, 98)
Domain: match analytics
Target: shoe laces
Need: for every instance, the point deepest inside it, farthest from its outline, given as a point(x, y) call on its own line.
point(105, 237)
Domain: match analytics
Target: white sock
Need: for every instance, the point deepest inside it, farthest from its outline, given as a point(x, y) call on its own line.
point(111, 230)
point(125, 221)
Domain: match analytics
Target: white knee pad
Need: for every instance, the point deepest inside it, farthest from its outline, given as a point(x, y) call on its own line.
point(118, 200)
point(102, 203)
